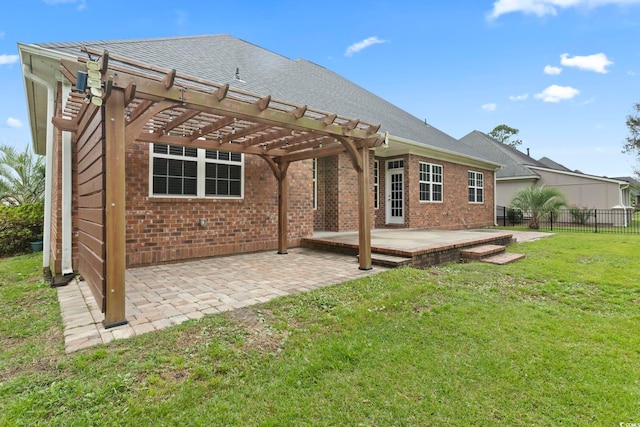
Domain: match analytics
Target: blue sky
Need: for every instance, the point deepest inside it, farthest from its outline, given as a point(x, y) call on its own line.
point(564, 72)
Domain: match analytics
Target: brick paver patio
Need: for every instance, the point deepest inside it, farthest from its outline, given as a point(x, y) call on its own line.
point(164, 295)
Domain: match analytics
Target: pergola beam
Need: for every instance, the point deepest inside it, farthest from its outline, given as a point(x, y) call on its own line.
point(192, 99)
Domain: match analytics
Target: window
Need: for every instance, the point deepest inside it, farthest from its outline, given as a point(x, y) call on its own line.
point(195, 172)
point(476, 187)
point(430, 182)
point(315, 183)
point(376, 184)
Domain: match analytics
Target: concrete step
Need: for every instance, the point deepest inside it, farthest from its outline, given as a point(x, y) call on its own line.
point(503, 258)
point(390, 261)
point(479, 252)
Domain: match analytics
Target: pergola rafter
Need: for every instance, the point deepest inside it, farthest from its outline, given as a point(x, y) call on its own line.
point(166, 107)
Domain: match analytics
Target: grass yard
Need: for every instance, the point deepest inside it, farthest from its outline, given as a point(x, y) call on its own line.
point(552, 339)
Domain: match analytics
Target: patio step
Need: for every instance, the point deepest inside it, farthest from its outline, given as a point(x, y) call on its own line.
point(480, 252)
point(390, 261)
point(503, 258)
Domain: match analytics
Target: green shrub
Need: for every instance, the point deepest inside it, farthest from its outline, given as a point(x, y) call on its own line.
point(20, 225)
point(580, 214)
point(515, 216)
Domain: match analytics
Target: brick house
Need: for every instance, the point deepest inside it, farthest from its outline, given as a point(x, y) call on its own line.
point(235, 152)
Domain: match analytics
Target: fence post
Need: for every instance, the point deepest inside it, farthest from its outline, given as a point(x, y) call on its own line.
point(551, 216)
point(595, 218)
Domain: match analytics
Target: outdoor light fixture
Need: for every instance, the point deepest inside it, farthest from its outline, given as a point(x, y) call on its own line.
point(385, 144)
point(92, 80)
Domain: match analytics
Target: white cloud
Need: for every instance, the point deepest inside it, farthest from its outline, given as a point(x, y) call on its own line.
point(8, 59)
point(522, 97)
point(555, 93)
point(357, 47)
point(598, 62)
point(489, 107)
point(182, 18)
point(548, 7)
point(14, 123)
point(552, 71)
point(81, 3)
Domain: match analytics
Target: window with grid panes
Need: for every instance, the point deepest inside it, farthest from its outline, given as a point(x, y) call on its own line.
point(430, 182)
point(476, 187)
point(196, 172)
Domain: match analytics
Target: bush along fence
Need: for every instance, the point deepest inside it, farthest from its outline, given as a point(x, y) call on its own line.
point(19, 226)
point(577, 219)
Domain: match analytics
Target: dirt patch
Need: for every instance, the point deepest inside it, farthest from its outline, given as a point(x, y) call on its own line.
point(261, 335)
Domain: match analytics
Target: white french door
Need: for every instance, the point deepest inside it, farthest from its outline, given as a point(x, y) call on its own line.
point(395, 191)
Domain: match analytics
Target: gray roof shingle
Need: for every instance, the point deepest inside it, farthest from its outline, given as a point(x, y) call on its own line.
point(514, 161)
point(216, 58)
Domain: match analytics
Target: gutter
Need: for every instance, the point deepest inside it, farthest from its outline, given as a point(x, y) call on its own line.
point(451, 153)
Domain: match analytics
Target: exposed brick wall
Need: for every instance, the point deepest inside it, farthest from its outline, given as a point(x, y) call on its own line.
point(55, 257)
point(319, 213)
point(338, 206)
point(454, 212)
point(167, 229)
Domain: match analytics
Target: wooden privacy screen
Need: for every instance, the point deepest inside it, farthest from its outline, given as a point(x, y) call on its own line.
point(91, 204)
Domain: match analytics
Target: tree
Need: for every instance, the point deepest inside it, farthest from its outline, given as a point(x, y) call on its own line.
point(22, 176)
point(633, 123)
point(503, 133)
point(538, 201)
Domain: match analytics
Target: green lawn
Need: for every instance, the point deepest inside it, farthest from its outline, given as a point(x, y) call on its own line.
point(553, 339)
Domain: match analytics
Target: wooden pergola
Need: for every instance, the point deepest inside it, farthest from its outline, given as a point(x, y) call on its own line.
point(140, 102)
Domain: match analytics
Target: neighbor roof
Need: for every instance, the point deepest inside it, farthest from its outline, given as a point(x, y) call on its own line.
point(554, 165)
point(226, 59)
point(514, 161)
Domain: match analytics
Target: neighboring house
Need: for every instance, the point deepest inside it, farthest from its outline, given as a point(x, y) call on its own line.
point(203, 146)
point(634, 189)
point(521, 170)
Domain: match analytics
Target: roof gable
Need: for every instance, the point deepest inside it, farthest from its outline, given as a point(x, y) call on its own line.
point(515, 162)
point(226, 59)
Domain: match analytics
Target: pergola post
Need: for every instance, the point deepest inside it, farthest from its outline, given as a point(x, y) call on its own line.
point(115, 210)
point(283, 207)
point(364, 216)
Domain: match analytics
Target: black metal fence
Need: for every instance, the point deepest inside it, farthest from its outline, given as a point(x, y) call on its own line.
point(615, 221)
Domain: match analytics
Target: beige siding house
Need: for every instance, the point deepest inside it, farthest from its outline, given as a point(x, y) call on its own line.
point(521, 170)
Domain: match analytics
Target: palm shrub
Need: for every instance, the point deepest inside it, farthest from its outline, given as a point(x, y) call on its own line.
point(580, 214)
point(22, 176)
point(538, 201)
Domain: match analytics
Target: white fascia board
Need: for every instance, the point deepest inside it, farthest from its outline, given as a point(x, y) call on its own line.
point(48, 72)
point(519, 178)
point(581, 175)
point(408, 146)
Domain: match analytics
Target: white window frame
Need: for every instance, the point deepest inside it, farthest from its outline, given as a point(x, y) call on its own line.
point(431, 181)
point(376, 184)
point(472, 183)
point(201, 161)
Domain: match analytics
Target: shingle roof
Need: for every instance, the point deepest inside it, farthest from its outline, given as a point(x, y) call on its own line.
point(515, 162)
point(554, 165)
point(217, 57)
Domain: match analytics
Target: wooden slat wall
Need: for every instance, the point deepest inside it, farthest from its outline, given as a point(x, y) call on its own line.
point(91, 205)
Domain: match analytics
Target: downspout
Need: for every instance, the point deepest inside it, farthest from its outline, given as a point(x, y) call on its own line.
point(51, 108)
point(67, 268)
